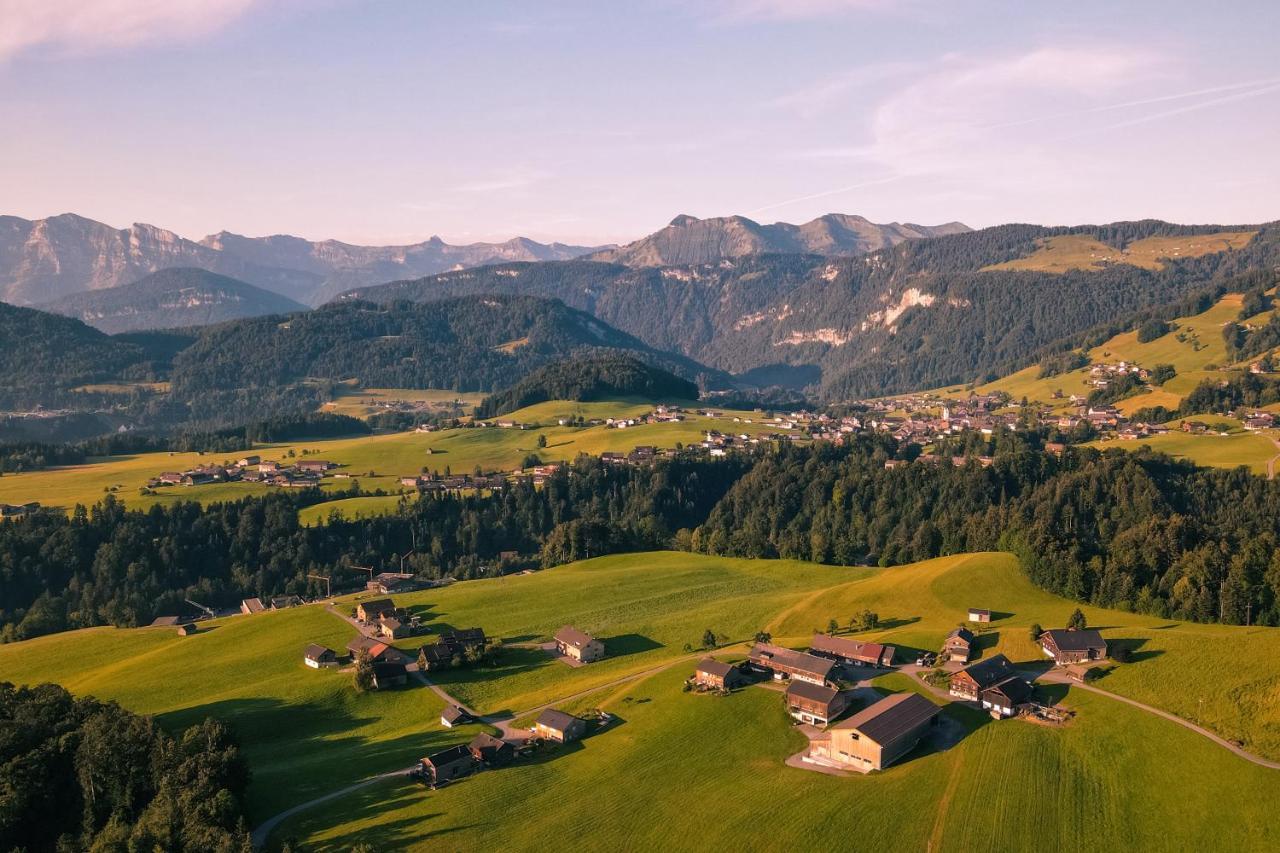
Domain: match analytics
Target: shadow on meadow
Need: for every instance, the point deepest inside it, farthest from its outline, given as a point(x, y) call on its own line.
point(629, 644)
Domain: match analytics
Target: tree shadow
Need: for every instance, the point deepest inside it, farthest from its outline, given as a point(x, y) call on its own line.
point(622, 645)
point(985, 642)
point(896, 622)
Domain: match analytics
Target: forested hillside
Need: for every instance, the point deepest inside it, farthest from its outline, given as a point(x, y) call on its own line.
point(923, 313)
point(587, 379)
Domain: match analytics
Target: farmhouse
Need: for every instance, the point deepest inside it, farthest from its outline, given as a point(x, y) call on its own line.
point(373, 610)
point(391, 628)
point(377, 650)
point(282, 602)
point(1004, 699)
point(315, 466)
point(387, 674)
point(786, 663)
point(577, 645)
point(558, 726)
point(452, 716)
point(251, 605)
point(851, 652)
point(973, 679)
point(717, 675)
point(958, 645)
point(317, 656)
point(879, 735)
point(488, 749)
point(814, 703)
point(463, 639)
point(1073, 646)
point(385, 583)
point(438, 656)
point(977, 615)
point(448, 764)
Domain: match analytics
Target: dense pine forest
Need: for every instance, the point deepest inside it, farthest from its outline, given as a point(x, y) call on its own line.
point(1129, 530)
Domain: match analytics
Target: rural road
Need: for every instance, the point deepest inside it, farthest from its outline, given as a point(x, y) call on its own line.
point(262, 830)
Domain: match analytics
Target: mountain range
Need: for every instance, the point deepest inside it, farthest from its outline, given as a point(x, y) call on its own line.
point(172, 298)
point(688, 240)
point(44, 260)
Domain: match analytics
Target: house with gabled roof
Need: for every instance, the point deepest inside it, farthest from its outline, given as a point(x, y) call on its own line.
point(452, 715)
point(1007, 697)
point(374, 609)
point(578, 645)
point(814, 704)
point(851, 652)
point(317, 656)
point(786, 663)
point(1073, 646)
point(713, 674)
point(491, 750)
point(973, 679)
point(958, 646)
point(878, 735)
point(252, 605)
point(448, 764)
point(558, 726)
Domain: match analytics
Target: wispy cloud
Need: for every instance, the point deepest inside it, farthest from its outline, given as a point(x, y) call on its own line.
point(85, 25)
point(747, 11)
point(821, 95)
point(502, 183)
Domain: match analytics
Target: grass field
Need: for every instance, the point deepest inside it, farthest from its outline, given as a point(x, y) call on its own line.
point(1082, 252)
point(709, 769)
point(388, 456)
point(363, 402)
point(1251, 449)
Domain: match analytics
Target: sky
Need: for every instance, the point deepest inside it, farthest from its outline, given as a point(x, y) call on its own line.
point(388, 121)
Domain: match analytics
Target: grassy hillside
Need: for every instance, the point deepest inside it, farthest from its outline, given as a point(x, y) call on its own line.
point(389, 456)
point(1086, 252)
point(369, 401)
point(1114, 778)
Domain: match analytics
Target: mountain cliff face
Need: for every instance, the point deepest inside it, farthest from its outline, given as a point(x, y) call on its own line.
point(688, 240)
point(172, 298)
point(46, 259)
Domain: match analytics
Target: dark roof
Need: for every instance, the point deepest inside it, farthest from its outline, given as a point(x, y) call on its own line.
point(891, 717)
point(990, 671)
point(846, 648)
point(315, 651)
point(463, 637)
point(557, 720)
point(812, 692)
point(979, 609)
point(711, 666)
point(573, 637)
point(963, 633)
point(386, 669)
point(453, 714)
point(377, 605)
point(1075, 641)
point(1015, 689)
point(447, 756)
point(484, 740)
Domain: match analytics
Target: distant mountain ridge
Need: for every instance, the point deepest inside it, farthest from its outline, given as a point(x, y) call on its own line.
point(44, 260)
point(172, 298)
point(689, 240)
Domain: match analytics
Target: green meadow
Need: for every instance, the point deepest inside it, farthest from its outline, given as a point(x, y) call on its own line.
point(710, 770)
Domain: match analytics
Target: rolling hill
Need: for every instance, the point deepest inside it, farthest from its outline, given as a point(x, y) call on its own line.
point(172, 298)
point(688, 240)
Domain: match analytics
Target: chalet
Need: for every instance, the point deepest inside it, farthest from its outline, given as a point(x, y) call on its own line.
point(374, 609)
point(197, 478)
point(1007, 697)
point(463, 639)
point(879, 735)
point(252, 605)
point(1195, 427)
point(958, 646)
point(437, 656)
point(976, 615)
point(559, 726)
point(488, 749)
point(814, 703)
point(452, 716)
point(786, 663)
point(248, 461)
point(448, 764)
point(318, 657)
point(576, 645)
point(851, 652)
point(377, 650)
point(973, 679)
point(387, 674)
point(315, 466)
point(391, 628)
point(385, 583)
point(1072, 646)
point(717, 675)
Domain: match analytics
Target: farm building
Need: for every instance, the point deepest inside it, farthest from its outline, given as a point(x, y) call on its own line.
point(786, 663)
point(491, 750)
point(317, 656)
point(559, 726)
point(958, 646)
point(452, 716)
point(448, 764)
point(978, 615)
point(879, 735)
point(284, 602)
point(387, 674)
point(814, 703)
point(252, 605)
point(717, 675)
point(166, 622)
point(973, 679)
point(1006, 697)
point(577, 645)
point(186, 630)
point(373, 610)
point(851, 652)
point(463, 639)
point(391, 628)
point(1073, 646)
point(386, 583)
point(438, 656)
point(377, 650)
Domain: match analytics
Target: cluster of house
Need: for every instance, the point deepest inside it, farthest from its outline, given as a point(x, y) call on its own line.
point(250, 469)
point(250, 606)
point(1101, 374)
point(387, 621)
point(454, 482)
point(18, 510)
point(485, 750)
